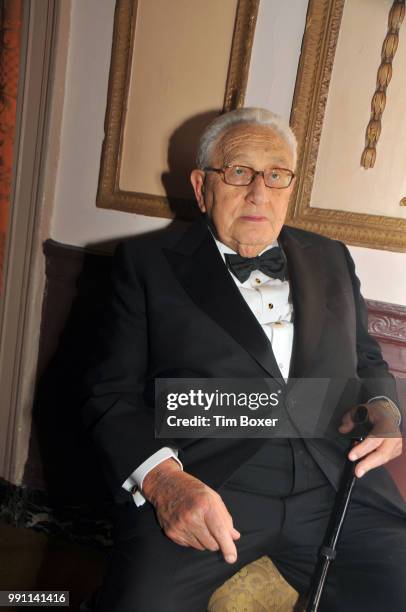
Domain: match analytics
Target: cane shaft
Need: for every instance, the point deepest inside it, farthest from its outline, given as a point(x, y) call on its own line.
point(319, 579)
point(328, 550)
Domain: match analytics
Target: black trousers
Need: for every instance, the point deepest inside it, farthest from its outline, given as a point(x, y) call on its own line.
point(281, 502)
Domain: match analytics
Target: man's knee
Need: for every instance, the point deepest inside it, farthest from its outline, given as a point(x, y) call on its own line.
point(141, 598)
point(155, 574)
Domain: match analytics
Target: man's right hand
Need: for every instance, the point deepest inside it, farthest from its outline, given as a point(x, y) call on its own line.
point(190, 512)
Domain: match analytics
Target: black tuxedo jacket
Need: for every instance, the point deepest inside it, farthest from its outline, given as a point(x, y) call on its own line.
point(176, 312)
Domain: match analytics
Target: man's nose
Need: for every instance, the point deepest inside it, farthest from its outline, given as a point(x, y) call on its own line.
point(257, 192)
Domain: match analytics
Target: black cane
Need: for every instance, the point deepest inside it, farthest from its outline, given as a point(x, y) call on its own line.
point(328, 550)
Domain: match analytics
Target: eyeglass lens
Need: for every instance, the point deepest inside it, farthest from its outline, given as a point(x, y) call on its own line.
point(243, 175)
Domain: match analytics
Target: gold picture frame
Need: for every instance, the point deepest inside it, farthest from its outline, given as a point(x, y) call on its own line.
point(110, 195)
point(308, 112)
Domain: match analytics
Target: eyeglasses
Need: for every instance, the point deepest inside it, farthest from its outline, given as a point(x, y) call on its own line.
point(241, 176)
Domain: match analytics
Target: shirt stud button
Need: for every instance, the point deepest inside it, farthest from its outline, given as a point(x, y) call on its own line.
point(270, 306)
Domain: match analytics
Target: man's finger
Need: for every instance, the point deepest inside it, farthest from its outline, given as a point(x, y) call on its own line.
point(199, 538)
point(205, 538)
point(235, 534)
point(374, 459)
point(187, 541)
point(347, 423)
point(363, 448)
point(207, 542)
point(223, 536)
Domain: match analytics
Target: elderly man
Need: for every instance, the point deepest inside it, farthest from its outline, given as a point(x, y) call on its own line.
point(240, 295)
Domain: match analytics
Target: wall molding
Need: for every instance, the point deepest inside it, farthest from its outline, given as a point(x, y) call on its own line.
point(309, 104)
point(387, 322)
point(20, 305)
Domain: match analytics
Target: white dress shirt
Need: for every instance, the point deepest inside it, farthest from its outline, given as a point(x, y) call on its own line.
point(270, 302)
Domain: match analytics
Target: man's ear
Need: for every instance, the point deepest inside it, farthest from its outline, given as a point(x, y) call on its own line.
point(197, 179)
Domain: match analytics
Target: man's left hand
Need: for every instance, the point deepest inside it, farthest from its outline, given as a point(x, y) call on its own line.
point(384, 441)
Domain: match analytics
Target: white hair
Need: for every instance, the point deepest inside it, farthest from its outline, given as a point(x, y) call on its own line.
point(257, 116)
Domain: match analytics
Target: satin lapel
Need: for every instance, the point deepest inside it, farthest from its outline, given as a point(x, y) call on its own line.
point(197, 264)
point(307, 277)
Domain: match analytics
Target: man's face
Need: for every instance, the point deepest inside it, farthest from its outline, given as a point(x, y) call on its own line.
point(245, 218)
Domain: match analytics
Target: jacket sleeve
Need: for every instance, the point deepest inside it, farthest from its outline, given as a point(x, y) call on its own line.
point(372, 368)
point(115, 413)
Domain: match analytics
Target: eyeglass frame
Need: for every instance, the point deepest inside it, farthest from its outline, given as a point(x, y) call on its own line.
point(256, 172)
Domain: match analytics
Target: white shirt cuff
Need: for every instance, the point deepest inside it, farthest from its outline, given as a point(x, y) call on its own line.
point(136, 479)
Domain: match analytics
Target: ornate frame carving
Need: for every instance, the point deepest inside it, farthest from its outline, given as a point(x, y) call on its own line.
point(309, 103)
point(109, 194)
point(383, 78)
point(387, 322)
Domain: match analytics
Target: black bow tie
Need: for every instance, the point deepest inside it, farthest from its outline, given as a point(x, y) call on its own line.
point(271, 263)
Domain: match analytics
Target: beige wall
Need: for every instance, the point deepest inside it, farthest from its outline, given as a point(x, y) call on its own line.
point(76, 220)
point(170, 55)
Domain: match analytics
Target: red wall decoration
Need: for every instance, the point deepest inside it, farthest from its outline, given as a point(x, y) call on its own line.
point(10, 38)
